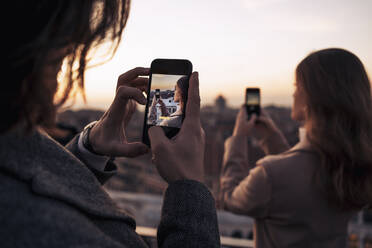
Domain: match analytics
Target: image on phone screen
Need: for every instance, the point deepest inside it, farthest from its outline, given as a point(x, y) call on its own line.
point(167, 100)
point(253, 98)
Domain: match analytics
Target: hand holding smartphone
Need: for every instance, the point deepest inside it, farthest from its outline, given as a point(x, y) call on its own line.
point(168, 83)
point(183, 156)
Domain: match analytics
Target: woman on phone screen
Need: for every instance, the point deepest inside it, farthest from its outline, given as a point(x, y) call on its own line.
point(180, 94)
point(304, 196)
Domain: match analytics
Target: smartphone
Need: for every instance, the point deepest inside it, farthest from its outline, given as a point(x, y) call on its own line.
point(169, 78)
point(252, 101)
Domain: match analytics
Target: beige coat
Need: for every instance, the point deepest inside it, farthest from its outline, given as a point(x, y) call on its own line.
point(279, 192)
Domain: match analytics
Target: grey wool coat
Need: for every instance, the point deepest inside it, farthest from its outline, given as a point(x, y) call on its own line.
point(50, 198)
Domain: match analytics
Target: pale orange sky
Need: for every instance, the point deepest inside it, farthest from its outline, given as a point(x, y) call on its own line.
point(235, 44)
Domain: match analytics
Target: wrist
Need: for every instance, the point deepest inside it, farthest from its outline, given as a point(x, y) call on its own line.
point(271, 133)
point(240, 132)
point(86, 139)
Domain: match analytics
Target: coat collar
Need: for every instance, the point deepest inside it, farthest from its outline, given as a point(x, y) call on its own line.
point(303, 143)
point(53, 171)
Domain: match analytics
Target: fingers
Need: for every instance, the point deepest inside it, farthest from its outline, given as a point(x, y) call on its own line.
point(193, 100)
point(140, 83)
point(243, 112)
point(129, 111)
point(159, 142)
point(131, 75)
point(242, 115)
point(252, 120)
point(117, 109)
point(125, 93)
point(264, 112)
point(129, 149)
point(264, 117)
point(157, 137)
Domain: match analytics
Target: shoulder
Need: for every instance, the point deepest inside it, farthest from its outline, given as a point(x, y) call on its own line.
point(43, 221)
point(287, 159)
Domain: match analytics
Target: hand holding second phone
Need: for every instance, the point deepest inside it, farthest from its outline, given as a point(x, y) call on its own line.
point(262, 124)
point(183, 156)
point(243, 127)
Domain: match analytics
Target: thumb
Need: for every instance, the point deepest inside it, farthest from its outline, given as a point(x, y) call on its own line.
point(263, 119)
point(157, 137)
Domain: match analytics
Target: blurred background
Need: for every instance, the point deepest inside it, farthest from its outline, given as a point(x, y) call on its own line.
point(233, 44)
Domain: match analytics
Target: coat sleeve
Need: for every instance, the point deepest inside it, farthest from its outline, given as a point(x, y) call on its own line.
point(244, 189)
point(189, 216)
point(274, 144)
point(102, 175)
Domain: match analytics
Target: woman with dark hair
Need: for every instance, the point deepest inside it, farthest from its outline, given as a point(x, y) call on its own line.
point(180, 96)
point(50, 195)
point(305, 196)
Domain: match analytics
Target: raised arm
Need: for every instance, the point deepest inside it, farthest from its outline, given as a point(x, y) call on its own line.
point(245, 189)
point(163, 108)
point(152, 111)
point(272, 140)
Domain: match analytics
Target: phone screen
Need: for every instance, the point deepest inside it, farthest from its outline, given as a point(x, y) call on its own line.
point(252, 101)
point(253, 98)
point(166, 96)
point(167, 100)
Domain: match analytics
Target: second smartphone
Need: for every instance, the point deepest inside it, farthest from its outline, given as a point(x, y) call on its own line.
point(167, 96)
point(252, 101)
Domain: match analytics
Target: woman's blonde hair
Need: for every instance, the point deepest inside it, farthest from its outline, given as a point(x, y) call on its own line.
point(339, 123)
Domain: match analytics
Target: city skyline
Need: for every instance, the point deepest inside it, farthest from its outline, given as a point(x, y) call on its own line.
point(255, 43)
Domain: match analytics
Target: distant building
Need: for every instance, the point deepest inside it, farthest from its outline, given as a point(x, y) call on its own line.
point(220, 103)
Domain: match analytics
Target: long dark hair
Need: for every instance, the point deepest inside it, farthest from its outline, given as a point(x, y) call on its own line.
point(339, 123)
point(183, 85)
point(35, 30)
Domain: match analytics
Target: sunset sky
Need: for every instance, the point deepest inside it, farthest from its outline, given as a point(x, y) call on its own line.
point(164, 82)
point(235, 44)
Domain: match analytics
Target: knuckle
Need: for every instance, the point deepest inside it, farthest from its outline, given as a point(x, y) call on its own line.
point(120, 77)
point(129, 92)
point(136, 91)
point(137, 69)
point(121, 91)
